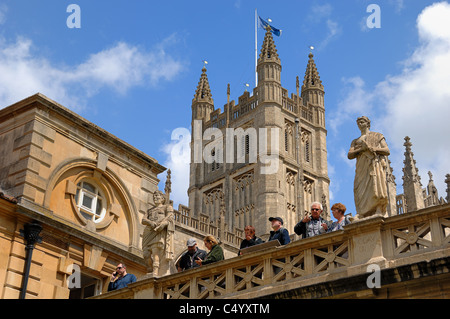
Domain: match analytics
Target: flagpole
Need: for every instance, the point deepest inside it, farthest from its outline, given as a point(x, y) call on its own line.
point(256, 48)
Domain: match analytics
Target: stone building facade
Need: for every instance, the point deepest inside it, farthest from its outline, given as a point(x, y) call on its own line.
point(87, 191)
point(293, 128)
point(85, 187)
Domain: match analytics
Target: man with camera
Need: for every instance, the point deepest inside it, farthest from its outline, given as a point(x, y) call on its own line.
point(312, 224)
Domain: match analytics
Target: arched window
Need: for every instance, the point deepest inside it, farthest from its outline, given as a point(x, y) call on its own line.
point(306, 142)
point(215, 165)
point(247, 144)
point(90, 201)
point(307, 151)
point(288, 138)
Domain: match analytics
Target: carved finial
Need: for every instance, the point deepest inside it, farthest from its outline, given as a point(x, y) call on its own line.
point(411, 172)
point(447, 181)
point(311, 55)
point(312, 78)
point(203, 91)
point(407, 144)
point(324, 205)
point(430, 175)
point(390, 173)
point(412, 187)
point(268, 49)
point(168, 186)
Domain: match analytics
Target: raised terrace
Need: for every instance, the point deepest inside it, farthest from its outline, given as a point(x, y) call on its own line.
point(404, 256)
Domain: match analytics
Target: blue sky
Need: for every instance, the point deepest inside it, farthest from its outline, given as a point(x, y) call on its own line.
point(133, 66)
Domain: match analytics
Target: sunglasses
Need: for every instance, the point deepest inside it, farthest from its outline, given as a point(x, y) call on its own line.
point(312, 209)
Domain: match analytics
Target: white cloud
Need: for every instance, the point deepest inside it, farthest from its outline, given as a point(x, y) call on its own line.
point(414, 103)
point(120, 67)
point(333, 30)
point(357, 100)
point(320, 11)
point(398, 5)
point(3, 11)
point(343, 156)
point(178, 157)
point(323, 14)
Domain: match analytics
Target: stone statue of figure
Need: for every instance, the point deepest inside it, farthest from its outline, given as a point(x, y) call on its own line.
point(157, 240)
point(370, 187)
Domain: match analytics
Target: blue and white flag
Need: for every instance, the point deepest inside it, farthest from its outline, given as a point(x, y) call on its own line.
point(263, 24)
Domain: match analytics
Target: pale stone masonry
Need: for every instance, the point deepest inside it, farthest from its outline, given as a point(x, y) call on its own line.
point(250, 196)
point(403, 256)
point(89, 191)
point(87, 188)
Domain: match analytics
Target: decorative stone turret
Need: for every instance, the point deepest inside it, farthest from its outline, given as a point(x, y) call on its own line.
point(202, 103)
point(392, 190)
point(269, 71)
point(312, 79)
point(312, 92)
point(250, 195)
point(412, 187)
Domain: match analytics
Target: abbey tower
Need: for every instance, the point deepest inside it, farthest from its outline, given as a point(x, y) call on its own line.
point(236, 189)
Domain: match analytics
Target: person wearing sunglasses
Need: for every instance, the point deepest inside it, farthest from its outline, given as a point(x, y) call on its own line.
point(120, 278)
point(312, 224)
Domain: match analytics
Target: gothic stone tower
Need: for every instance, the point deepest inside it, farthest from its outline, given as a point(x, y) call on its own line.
point(295, 127)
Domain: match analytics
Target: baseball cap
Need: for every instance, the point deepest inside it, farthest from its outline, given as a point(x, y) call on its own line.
point(190, 242)
point(276, 218)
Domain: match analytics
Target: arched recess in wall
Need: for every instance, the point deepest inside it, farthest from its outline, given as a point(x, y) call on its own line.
point(84, 187)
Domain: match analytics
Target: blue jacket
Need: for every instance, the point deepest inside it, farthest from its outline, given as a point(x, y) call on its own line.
point(282, 235)
point(122, 282)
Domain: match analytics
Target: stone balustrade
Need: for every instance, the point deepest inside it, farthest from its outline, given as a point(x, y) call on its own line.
point(204, 226)
point(388, 243)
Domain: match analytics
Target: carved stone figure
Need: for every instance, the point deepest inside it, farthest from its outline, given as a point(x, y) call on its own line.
point(370, 188)
point(157, 240)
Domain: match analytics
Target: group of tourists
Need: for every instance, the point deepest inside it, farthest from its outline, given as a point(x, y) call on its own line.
point(311, 225)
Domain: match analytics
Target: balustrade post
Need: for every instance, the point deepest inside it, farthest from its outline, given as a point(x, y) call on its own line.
point(268, 271)
point(436, 232)
point(193, 291)
point(309, 261)
point(229, 281)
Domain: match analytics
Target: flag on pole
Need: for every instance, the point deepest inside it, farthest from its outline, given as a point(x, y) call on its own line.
point(263, 24)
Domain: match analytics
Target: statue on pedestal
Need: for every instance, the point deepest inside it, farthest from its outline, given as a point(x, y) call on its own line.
point(370, 187)
point(158, 237)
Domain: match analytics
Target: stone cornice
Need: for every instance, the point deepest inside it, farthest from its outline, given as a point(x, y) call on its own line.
point(39, 100)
